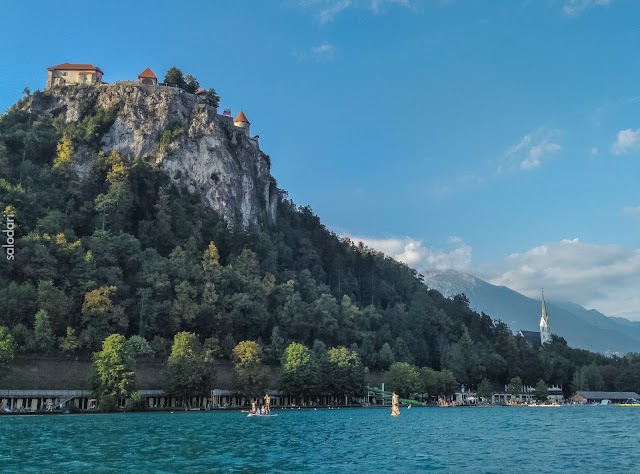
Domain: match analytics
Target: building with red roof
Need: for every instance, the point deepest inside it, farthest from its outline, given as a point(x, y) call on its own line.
point(68, 73)
point(148, 77)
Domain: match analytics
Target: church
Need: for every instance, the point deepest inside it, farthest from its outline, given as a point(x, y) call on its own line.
point(544, 335)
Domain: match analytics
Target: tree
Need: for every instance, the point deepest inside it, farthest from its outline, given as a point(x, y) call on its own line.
point(64, 155)
point(140, 347)
point(542, 391)
point(342, 373)
point(174, 77)
point(43, 338)
point(68, 343)
point(212, 98)
point(403, 378)
point(115, 204)
point(7, 349)
point(113, 370)
point(248, 371)
point(298, 370)
point(100, 314)
point(515, 387)
point(485, 390)
point(386, 356)
point(191, 84)
point(190, 370)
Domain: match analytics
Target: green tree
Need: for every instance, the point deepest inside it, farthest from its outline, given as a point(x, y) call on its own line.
point(190, 369)
point(386, 356)
point(43, 338)
point(7, 350)
point(542, 391)
point(140, 347)
point(515, 387)
point(174, 77)
point(116, 203)
point(101, 314)
point(342, 373)
point(68, 343)
point(191, 84)
point(113, 370)
point(212, 98)
point(298, 370)
point(403, 378)
point(249, 373)
point(485, 390)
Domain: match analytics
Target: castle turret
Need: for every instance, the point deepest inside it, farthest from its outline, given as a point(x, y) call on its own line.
point(241, 121)
point(545, 328)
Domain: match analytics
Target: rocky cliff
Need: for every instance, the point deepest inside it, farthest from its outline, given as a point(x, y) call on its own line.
point(205, 152)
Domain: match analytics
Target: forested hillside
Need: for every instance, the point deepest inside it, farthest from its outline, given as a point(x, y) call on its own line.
point(119, 249)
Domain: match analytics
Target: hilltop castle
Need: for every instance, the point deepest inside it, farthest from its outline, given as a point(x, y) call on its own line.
point(88, 74)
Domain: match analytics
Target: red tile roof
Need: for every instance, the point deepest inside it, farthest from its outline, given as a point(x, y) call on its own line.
point(241, 118)
point(147, 74)
point(75, 67)
point(200, 91)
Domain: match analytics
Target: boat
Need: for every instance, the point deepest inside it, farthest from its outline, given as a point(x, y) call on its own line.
point(631, 402)
point(259, 414)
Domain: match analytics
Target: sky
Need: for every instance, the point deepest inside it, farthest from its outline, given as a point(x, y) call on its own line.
point(496, 137)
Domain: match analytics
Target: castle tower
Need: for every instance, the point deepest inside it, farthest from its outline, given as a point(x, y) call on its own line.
point(241, 121)
point(545, 328)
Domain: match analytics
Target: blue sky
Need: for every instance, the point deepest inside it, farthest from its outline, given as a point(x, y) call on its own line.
point(501, 138)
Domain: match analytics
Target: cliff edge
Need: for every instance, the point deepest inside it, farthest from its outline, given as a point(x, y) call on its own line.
point(200, 150)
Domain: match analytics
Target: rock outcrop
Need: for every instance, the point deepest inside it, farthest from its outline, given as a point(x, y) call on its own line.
point(205, 153)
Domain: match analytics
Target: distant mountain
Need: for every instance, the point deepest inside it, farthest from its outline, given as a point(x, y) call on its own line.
point(582, 328)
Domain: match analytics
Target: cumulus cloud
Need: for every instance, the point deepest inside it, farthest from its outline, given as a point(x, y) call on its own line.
point(626, 140)
point(420, 257)
point(575, 7)
point(531, 150)
point(601, 276)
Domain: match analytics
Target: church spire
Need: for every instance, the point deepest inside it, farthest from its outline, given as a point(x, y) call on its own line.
point(545, 330)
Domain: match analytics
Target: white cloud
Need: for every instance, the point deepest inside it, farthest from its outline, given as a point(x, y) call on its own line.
point(531, 150)
point(626, 140)
point(327, 10)
point(631, 210)
point(575, 7)
point(595, 275)
point(594, 151)
point(418, 256)
point(323, 52)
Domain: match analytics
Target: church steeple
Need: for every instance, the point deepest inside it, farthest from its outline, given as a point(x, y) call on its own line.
point(545, 330)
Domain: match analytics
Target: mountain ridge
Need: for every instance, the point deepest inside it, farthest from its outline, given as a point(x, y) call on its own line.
point(583, 328)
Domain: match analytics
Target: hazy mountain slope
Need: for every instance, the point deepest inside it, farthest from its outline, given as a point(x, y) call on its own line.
point(580, 327)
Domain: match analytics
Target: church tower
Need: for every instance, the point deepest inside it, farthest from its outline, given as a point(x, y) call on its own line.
point(545, 329)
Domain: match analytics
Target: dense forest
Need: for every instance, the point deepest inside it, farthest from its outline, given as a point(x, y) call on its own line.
point(118, 249)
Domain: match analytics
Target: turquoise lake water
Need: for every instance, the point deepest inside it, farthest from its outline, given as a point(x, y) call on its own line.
point(493, 439)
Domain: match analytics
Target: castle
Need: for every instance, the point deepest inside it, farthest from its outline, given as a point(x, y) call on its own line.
point(88, 74)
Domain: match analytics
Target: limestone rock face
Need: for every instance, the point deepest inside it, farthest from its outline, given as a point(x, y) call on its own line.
point(207, 154)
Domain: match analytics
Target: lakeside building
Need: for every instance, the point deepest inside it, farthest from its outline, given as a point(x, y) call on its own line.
point(527, 395)
point(67, 73)
point(42, 401)
point(587, 397)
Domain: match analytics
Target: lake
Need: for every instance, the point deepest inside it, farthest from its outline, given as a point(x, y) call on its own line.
point(491, 439)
